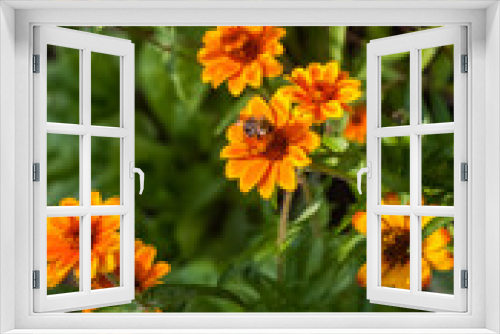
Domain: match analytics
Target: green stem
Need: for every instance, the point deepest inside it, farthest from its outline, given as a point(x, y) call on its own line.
point(282, 234)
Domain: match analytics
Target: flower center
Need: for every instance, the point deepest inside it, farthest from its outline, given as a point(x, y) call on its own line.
point(324, 91)
point(356, 119)
point(396, 247)
point(248, 52)
point(277, 147)
point(74, 235)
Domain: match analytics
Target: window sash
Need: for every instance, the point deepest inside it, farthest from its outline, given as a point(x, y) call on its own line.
point(86, 43)
point(414, 42)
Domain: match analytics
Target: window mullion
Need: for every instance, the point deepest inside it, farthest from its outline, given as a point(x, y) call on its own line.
point(433, 128)
point(79, 211)
point(85, 161)
point(414, 171)
point(406, 210)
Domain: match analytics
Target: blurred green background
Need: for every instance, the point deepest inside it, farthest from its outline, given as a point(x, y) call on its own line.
point(219, 241)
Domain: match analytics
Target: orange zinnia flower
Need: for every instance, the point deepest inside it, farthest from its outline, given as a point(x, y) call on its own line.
point(266, 145)
point(147, 272)
point(63, 245)
point(241, 55)
point(322, 91)
point(63, 242)
point(396, 251)
point(356, 129)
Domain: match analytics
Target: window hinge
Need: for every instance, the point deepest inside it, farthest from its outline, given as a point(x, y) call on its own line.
point(36, 279)
point(465, 63)
point(36, 172)
point(36, 63)
point(464, 172)
point(465, 279)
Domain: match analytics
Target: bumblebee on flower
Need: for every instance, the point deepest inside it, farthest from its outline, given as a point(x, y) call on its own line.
point(267, 144)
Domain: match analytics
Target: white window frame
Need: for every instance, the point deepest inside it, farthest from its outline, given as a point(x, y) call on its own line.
point(413, 43)
point(85, 43)
point(483, 21)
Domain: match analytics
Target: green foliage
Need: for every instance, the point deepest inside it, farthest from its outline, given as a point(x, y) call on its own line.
point(220, 242)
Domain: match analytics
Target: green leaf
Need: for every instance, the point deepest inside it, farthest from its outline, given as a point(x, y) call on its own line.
point(308, 212)
point(296, 227)
point(186, 76)
point(336, 144)
point(186, 71)
point(427, 56)
point(232, 115)
point(347, 248)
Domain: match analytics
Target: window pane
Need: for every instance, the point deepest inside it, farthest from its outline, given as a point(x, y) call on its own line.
point(395, 80)
point(105, 252)
point(437, 169)
point(437, 254)
point(63, 169)
point(105, 91)
point(63, 85)
point(437, 84)
point(395, 259)
point(395, 170)
point(63, 255)
point(105, 170)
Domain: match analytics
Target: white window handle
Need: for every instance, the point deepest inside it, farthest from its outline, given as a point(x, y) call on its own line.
point(367, 170)
point(141, 175)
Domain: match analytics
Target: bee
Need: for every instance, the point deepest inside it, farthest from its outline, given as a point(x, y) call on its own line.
point(257, 127)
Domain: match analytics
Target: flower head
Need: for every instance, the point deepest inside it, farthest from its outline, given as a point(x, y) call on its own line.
point(356, 129)
point(322, 91)
point(266, 146)
point(63, 242)
point(396, 251)
point(241, 55)
point(63, 248)
point(147, 272)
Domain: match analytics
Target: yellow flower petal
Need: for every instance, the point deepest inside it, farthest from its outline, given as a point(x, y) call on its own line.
point(266, 186)
point(235, 150)
point(315, 72)
point(359, 222)
point(298, 157)
point(236, 168)
point(258, 108)
point(397, 277)
point(236, 85)
point(331, 71)
point(332, 109)
point(95, 198)
point(437, 240)
point(426, 273)
point(256, 169)
point(235, 133)
point(286, 176)
point(281, 109)
point(361, 275)
point(310, 141)
point(434, 250)
point(254, 75)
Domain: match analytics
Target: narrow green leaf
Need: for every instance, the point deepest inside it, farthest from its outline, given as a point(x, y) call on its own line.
point(232, 115)
point(346, 249)
point(308, 212)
